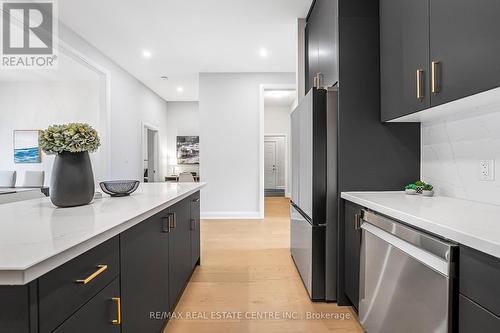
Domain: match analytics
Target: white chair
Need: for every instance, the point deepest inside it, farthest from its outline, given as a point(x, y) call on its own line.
point(186, 177)
point(34, 179)
point(8, 178)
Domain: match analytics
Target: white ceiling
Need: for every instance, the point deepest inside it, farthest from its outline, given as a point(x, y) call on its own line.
point(189, 37)
point(279, 98)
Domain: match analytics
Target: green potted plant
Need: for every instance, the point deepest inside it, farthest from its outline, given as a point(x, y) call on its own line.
point(420, 186)
point(411, 189)
point(72, 179)
point(428, 190)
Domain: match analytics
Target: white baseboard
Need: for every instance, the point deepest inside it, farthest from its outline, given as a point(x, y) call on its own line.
point(231, 216)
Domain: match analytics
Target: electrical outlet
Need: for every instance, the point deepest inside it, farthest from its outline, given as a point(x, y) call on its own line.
point(487, 170)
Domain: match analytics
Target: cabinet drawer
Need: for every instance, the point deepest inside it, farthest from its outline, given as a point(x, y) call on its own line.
point(473, 318)
point(479, 276)
point(100, 315)
point(63, 291)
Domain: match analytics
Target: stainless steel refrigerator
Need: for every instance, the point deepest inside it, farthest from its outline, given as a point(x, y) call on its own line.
point(314, 184)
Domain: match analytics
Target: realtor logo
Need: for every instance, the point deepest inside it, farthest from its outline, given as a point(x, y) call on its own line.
point(28, 30)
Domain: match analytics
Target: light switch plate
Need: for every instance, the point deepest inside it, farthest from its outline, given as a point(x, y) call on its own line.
point(487, 170)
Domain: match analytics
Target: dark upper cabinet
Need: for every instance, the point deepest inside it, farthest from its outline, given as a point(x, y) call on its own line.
point(352, 251)
point(179, 260)
point(404, 57)
point(327, 41)
point(144, 274)
point(322, 43)
point(312, 49)
point(453, 42)
point(464, 45)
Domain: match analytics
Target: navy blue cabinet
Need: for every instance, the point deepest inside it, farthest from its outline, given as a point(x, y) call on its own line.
point(322, 44)
point(479, 302)
point(144, 274)
point(101, 314)
point(179, 259)
point(352, 251)
point(404, 57)
point(436, 51)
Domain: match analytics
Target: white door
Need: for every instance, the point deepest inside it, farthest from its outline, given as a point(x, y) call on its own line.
point(270, 165)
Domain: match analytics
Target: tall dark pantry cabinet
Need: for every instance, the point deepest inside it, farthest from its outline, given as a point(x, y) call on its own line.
point(364, 154)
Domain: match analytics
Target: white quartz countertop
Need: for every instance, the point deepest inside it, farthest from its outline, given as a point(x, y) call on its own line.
point(36, 237)
point(470, 223)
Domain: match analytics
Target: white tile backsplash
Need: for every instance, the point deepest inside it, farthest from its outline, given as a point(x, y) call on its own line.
point(451, 151)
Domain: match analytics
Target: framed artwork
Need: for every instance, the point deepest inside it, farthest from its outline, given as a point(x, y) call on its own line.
point(26, 147)
point(188, 150)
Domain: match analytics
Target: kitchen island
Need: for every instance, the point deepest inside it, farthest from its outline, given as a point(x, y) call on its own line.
point(104, 267)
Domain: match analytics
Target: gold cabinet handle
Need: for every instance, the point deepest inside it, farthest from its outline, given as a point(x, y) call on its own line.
point(173, 221)
point(101, 269)
point(420, 95)
point(435, 86)
point(118, 319)
point(357, 221)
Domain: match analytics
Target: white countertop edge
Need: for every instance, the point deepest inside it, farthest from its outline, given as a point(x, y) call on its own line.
point(446, 232)
point(24, 276)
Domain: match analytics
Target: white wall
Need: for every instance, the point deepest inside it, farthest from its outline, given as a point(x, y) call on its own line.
point(230, 141)
point(131, 104)
point(452, 149)
point(277, 121)
point(183, 118)
point(39, 104)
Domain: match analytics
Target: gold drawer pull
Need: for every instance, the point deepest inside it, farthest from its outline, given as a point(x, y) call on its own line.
point(101, 270)
point(118, 319)
point(435, 86)
point(420, 73)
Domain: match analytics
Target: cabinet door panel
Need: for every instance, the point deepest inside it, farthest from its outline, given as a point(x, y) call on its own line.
point(179, 250)
point(195, 230)
point(60, 295)
point(144, 275)
point(404, 49)
point(97, 315)
point(474, 318)
point(312, 35)
point(327, 41)
point(352, 253)
point(464, 39)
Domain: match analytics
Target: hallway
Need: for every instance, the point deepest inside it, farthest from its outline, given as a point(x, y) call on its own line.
point(247, 273)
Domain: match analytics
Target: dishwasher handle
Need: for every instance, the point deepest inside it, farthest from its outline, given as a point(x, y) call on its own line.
point(428, 259)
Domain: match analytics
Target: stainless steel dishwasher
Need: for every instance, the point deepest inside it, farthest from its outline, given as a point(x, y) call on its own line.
point(406, 278)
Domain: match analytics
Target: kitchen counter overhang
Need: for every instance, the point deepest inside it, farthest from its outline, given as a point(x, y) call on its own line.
point(36, 237)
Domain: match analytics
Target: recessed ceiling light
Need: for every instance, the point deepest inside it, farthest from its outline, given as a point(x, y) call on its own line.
point(180, 89)
point(146, 54)
point(263, 52)
point(164, 77)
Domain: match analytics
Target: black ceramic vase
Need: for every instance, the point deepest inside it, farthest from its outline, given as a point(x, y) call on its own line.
point(72, 180)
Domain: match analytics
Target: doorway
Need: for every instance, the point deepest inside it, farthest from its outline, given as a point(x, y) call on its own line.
point(150, 153)
point(274, 165)
point(276, 103)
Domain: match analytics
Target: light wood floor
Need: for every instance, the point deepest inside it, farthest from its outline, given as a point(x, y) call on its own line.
point(247, 270)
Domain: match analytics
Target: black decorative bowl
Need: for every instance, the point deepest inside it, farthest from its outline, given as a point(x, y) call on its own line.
point(119, 188)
